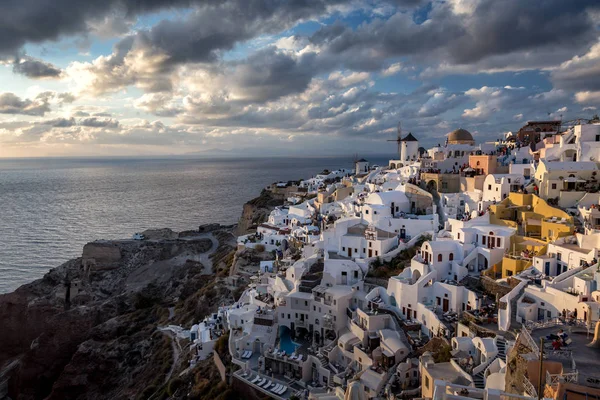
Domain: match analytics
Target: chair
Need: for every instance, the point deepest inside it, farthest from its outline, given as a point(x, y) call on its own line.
point(256, 379)
point(300, 357)
point(282, 391)
point(268, 384)
point(249, 355)
point(276, 388)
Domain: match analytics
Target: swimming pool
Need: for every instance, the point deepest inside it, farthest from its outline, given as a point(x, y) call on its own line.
point(285, 340)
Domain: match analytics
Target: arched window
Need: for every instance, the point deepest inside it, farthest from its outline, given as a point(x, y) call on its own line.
point(439, 257)
point(451, 256)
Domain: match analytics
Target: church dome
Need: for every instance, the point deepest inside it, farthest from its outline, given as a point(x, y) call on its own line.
point(460, 136)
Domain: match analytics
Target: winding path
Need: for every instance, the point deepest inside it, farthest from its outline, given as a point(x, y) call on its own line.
point(176, 351)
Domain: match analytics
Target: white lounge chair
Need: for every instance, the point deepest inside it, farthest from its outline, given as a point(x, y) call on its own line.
point(282, 390)
point(260, 382)
point(266, 385)
point(300, 357)
point(244, 354)
point(276, 388)
point(255, 379)
point(249, 354)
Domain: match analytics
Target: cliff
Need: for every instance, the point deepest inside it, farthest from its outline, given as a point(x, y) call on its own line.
point(257, 210)
point(89, 329)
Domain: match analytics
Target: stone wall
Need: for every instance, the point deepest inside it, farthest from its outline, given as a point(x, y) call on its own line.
point(220, 366)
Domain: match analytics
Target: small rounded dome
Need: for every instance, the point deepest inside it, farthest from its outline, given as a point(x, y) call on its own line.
point(460, 136)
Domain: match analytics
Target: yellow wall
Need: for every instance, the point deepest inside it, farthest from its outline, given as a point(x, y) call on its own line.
point(515, 266)
point(426, 390)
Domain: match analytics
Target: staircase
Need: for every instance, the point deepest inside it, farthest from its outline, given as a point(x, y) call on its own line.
point(479, 380)
point(323, 360)
point(501, 345)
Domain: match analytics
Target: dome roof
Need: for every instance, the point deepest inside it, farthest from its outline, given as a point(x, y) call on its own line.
point(459, 135)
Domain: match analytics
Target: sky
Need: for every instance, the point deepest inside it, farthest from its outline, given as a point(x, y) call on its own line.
point(286, 77)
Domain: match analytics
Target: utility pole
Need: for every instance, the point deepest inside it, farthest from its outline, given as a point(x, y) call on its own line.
point(540, 386)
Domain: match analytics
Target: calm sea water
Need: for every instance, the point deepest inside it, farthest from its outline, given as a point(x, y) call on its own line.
point(49, 208)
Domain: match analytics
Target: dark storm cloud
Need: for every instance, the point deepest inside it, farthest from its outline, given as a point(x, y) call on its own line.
point(35, 69)
point(493, 28)
point(269, 74)
point(214, 25)
point(12, 104)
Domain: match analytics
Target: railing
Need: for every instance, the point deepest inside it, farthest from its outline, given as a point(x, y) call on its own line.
point(555, 379)
point(528, 341)
point(529, 388)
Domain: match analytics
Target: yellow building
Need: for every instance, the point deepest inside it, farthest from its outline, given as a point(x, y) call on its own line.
point(537, 224)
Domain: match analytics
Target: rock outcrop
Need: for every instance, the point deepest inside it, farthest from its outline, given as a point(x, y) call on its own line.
point(257, 211)
point(91, 333)
point(100, 255)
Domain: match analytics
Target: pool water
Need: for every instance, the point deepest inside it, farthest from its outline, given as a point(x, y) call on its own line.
point(285, 340)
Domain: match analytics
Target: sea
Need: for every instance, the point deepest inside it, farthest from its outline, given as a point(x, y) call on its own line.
point(51, 207)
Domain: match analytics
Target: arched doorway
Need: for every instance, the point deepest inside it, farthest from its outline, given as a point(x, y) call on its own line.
point(432, 185)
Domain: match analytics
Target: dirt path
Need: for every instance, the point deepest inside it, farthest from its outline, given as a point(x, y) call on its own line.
point(176, 351)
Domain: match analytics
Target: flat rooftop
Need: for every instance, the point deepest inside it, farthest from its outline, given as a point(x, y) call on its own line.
point(586, 358)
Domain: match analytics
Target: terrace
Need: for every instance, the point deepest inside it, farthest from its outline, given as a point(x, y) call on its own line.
point(579, 362)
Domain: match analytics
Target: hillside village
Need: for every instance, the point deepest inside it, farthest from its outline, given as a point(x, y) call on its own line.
point(447, 274)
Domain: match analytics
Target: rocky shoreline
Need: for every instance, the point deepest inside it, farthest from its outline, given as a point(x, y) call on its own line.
point(89, 329)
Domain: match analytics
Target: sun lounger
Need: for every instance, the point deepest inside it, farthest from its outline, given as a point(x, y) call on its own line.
point(260, 381)
point(282, 390)
point(249, 355)
point(268, 384)
point(276, 388)
point(255, 379)
point(244, 354)
point(300, 357)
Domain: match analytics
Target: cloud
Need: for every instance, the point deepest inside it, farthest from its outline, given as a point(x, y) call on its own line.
point(461, 33)
point(392, 69)
point(587, 97)
point(440, 102)
point(491, 100)
point(12, 104)
point(35, 69)
point(580, 73)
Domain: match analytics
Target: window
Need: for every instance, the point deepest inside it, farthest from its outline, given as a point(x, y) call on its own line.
point(458, 236)
point(451, 257)
point(370, 244)
point(314, 308)
point(427, 382)
point(282, 315)
point(497, 242)
point(366, 211)
point(376, 253)
point(439, 257)
point(597, 138)
point(483, 240)
point(305, 303)
point(554, 186)
point(355, 274)
point(489, 187)
point(558, 256)
point(343, 249)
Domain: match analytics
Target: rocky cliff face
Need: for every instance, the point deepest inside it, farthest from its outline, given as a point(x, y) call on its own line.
point(257, 211)
point(92, 333)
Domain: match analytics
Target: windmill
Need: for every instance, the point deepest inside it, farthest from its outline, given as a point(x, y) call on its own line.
point(398, 140)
